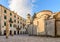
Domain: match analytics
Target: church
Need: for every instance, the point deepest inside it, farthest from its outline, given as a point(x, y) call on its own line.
point(46, 23)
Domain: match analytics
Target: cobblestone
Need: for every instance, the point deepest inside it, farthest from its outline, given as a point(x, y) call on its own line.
point(26, 38)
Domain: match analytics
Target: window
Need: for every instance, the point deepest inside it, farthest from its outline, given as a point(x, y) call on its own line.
point(10, 14)
point(5, 17)
point(14, 20)
point(4, 23)
point(15, 16)
point(37, 22)
point(18, 21)
point(10, 25)
point(10, 19)
point(5, 11)
point(18, 26)
point(14, 25)
point(18, 17)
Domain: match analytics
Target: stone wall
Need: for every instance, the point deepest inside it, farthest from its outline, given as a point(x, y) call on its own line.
point(50, 27)
point(58, 28)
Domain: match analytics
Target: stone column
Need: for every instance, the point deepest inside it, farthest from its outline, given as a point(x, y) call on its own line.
point(12, 32)
point(16, 32)
point(2, 32)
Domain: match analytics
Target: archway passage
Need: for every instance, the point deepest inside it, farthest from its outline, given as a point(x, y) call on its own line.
point(4, 32)
point(18, 32)
point(14, 32)
point(10, 32)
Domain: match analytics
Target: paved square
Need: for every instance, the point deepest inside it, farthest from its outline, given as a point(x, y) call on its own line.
point(26, 38)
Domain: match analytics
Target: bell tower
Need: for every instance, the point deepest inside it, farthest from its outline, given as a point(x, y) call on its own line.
point(28, 20)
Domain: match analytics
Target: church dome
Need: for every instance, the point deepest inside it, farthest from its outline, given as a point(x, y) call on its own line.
point(46, 11)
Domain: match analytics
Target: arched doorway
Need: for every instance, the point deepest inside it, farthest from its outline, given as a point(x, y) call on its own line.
point(10, 32)
point(18, 32)
point(4, 32)
point(14, 32)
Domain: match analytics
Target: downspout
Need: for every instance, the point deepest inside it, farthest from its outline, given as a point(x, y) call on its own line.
point(0, 20)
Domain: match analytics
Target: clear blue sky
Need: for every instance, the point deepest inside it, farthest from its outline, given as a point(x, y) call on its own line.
point(4, 3)
point(53, 5)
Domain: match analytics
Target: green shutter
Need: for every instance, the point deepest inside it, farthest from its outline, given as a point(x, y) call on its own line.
point(5, 17)
point(4, 23)
point(5, 11)
point(10, 14)
point(10, 25)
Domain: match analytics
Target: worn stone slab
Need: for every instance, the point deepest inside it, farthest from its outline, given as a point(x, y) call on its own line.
point(50, 27)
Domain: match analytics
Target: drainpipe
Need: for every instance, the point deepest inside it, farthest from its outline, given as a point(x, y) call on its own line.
point(0, 21)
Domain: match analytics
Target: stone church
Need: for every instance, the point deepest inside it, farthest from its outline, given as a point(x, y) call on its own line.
point(46, 23)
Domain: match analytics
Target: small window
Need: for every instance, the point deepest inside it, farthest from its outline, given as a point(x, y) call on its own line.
point(18, 21)
point(18, 17)
point(4, 23)
point(14, 25)
point(5, 11)
point(10, 14)
point(14, 20)
point(5, 17)
point(10, 25)
point(18, 26)
point(15, 16)
point(10, 19)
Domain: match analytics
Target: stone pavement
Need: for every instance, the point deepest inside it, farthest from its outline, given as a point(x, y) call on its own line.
point(26, 38)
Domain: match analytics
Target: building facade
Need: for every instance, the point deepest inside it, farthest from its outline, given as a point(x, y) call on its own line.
point(15, 21)
point(46, 23)
point(39, 21)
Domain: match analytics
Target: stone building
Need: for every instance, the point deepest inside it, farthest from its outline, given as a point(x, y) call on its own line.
point(15, 21)
point(57, 23)
point(47, 23)
point(28, 22)
point(22, 26)
point(39, 21)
